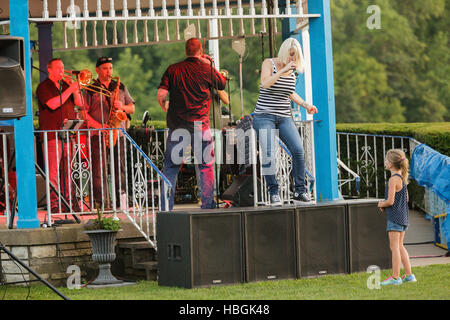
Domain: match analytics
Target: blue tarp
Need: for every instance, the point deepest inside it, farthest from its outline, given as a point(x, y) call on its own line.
point(432, 170)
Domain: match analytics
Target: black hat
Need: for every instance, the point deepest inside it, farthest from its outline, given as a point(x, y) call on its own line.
point(103, 60)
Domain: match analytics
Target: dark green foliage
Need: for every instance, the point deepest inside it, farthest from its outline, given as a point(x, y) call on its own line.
point(101, 223)
point(398, 73)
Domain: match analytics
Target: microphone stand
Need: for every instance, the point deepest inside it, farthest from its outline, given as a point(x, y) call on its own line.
point(103, 159)
point(84, 117)
point(229, 102)
point(63, 154)
point(13, 257)
point(83, 112)
point(214, 125)
point(240, 85)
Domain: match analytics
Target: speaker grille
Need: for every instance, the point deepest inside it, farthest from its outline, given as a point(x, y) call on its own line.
point(216, 249)
point(12, 92)
point(322, 240)
point(270, 244)
point(368, 239)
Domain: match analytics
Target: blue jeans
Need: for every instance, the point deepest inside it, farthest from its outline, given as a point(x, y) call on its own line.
point(266, 127)
point(177, 143)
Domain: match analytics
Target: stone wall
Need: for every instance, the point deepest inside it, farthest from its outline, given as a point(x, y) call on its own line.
point(50, 251)
point(50, 261)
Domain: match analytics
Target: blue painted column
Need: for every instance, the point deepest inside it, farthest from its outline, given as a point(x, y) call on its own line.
point(23, 128)
point(323, 98)
point(288, 27)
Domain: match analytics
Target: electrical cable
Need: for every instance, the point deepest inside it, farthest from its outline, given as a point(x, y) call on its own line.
point(23, 277)
point(13, 257)
point(423, 256)
point(427, 256)
point(417, 243)
point(3, 283)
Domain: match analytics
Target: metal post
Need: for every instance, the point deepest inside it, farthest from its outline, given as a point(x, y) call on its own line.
point(323, 93)
point(253, 152)
point(23, 128)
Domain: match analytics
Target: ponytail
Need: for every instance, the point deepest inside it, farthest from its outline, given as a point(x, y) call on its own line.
point(404, 167)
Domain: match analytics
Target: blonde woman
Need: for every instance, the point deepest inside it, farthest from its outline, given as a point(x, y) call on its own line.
point(396, 207)
point(273, 113)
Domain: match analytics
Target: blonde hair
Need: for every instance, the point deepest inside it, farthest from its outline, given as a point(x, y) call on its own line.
point(284, 52)
point(398, 159)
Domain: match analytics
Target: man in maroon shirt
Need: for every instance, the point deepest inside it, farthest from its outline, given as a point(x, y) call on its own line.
point(189, 83)
point(57, 98)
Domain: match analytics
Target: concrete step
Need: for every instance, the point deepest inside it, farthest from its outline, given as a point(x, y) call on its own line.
point(139, 259)
point(150, 267)
point(138, 245)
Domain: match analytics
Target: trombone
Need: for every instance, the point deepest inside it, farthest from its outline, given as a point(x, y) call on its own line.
point(84, 78)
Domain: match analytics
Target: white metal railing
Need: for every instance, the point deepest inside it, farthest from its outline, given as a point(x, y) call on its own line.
point(362, 155)
point(144, 169)
point(283, 164)
point(93, 172)
point(283, 175)
point(6, 158)
point(349, 179)
point(433, 205)
point(241, 148)
point(178, 9)
point(176, 15)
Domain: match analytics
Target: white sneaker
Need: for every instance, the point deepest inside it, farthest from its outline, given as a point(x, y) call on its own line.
point(302, 198)
point(275, 201)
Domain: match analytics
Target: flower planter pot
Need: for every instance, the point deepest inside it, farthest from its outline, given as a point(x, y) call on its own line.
point(103, 243)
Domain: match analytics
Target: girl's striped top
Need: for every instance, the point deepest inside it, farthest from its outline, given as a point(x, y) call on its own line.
point(275, 99)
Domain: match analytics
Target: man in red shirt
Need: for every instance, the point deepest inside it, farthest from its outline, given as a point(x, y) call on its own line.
point(57, 98)
point(189, 83)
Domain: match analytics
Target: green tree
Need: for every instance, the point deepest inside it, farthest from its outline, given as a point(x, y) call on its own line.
point(400, 72)
point(411, 46)
point(129, 67)
point(363, 92)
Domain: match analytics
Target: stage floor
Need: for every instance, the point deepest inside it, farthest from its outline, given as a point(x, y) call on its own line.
point(420, 231)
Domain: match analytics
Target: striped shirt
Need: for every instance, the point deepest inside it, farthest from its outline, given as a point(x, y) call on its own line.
point(398, 212)
point(275, 99)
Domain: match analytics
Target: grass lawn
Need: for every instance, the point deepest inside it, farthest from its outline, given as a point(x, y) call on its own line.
point(433, 283)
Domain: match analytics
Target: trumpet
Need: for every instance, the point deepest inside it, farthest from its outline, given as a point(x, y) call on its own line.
point(84, 78)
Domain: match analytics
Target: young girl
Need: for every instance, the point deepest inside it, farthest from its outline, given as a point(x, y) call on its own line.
point(396, 207)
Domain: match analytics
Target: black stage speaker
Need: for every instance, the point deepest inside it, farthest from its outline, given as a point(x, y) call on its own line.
point(240, 192)
point(12, 78)
point(368, 239)
point(269, 235)
point(321, 239)
point(199, 248)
